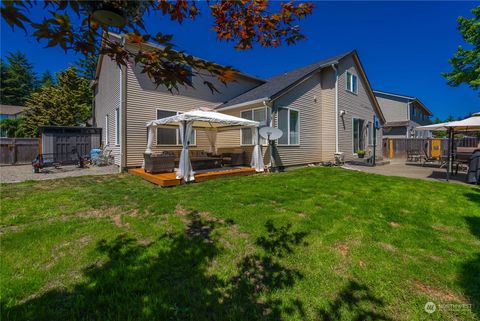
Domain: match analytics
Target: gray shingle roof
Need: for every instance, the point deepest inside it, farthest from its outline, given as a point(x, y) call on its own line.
point(11, 109)
point(279, 83)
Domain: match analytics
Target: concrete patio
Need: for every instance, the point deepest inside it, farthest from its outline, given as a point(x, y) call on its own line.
point(400, 168)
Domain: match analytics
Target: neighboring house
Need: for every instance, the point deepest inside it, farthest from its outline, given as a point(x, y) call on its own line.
point(11, 111)
point(403, 114)
point(322, 108)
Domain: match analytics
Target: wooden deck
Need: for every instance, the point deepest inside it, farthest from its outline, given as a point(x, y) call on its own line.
point(169, 179)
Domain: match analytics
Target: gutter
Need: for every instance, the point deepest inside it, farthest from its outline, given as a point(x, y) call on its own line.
point(260, 100)
point(123, 112)
point(336, 107)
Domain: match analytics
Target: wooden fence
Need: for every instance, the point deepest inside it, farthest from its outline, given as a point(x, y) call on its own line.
point(433, 147)
point(16, 151)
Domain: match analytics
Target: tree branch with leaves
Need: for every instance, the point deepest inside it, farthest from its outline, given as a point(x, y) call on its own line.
point(466, 62)
point(243, 22)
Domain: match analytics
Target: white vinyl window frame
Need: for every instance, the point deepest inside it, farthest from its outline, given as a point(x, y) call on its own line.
point(268, 121)
point(288, 126)
point(370, 133)
point(177, 130)
point(360, 134)
point(106, 141)
point(117, 127)
point(351, 79)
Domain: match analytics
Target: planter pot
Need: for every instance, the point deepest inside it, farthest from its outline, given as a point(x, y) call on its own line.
point(361, 155)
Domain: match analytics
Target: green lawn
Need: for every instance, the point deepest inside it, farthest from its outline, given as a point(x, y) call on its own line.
point(309, 244)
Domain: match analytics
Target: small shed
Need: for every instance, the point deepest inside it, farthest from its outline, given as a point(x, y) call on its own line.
point(63, 141)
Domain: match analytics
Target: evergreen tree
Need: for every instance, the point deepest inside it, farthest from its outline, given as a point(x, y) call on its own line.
point(18, 79)
point(66, 103)
point(47, 79)
point(87, 66)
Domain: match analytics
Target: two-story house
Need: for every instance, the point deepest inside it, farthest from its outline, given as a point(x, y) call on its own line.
point(323, 108)
point(403, 114)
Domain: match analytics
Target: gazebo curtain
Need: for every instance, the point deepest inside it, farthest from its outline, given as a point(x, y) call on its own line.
point(212, 139)
point(257, 157)
point(184, 170)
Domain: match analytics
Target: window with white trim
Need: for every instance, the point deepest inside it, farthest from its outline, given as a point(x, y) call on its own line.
point(289, 124)
point(371, 131)
point(352, 82)
point(106, 131)
point(171, 136)
point(117, 126)
point(257, 114)
point(358, 135)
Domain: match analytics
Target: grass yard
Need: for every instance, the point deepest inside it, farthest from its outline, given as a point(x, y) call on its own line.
point(310, 244)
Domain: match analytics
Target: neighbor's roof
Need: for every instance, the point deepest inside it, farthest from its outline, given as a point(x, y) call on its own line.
point(398, 123)
point(11, 109)
point(280, 83)
point(404, 97)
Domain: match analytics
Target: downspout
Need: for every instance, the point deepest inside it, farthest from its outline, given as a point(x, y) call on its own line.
point(336, 107)
point(122, 112)
point(270, 144)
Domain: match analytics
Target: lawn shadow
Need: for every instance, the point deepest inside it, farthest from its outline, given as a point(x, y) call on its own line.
point(470, 277)
point(354, 302)
point(170, 279)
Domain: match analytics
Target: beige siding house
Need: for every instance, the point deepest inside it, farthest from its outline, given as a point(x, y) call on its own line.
point(320, 111)
point(402, 115)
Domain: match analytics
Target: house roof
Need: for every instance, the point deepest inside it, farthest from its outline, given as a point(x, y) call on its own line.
point(11, 109)
point(404, 97)
point(397, 123)
point(277, 84)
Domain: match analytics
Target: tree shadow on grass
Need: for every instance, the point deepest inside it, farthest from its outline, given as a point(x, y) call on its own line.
point(470, 277)
point(354, 302)
point(170, 279)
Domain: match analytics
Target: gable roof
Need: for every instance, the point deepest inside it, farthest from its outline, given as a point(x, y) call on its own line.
point(412, 98)
point(11, 109)
point(278, 84)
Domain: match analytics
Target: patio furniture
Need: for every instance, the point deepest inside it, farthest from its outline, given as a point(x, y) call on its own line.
point(159, 163)
point(413, 155)
point(203, 162)
point(235, 158)
point(473, 175)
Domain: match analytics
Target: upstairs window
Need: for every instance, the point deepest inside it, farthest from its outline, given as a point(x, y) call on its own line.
point(289, 124)
point(352, 85)
point(258, 114)
point(171, 136)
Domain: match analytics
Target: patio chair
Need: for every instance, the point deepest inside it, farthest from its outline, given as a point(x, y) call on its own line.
point(413, 155)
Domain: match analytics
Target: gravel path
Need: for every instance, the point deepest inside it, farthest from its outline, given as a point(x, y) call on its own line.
point(20, 173)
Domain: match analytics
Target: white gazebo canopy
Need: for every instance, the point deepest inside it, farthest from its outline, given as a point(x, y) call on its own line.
point(211, 122)
point(468, 124)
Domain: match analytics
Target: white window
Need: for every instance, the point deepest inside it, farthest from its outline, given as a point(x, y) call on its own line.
point(352, 85)
point(171, 136)
point(358, 135)
point(262, 115)
point(289, 124)
point(107, 141)
point(371, 131)
point(117, 126)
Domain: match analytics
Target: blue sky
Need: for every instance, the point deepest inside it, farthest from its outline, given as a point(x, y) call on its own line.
point(404, 47)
